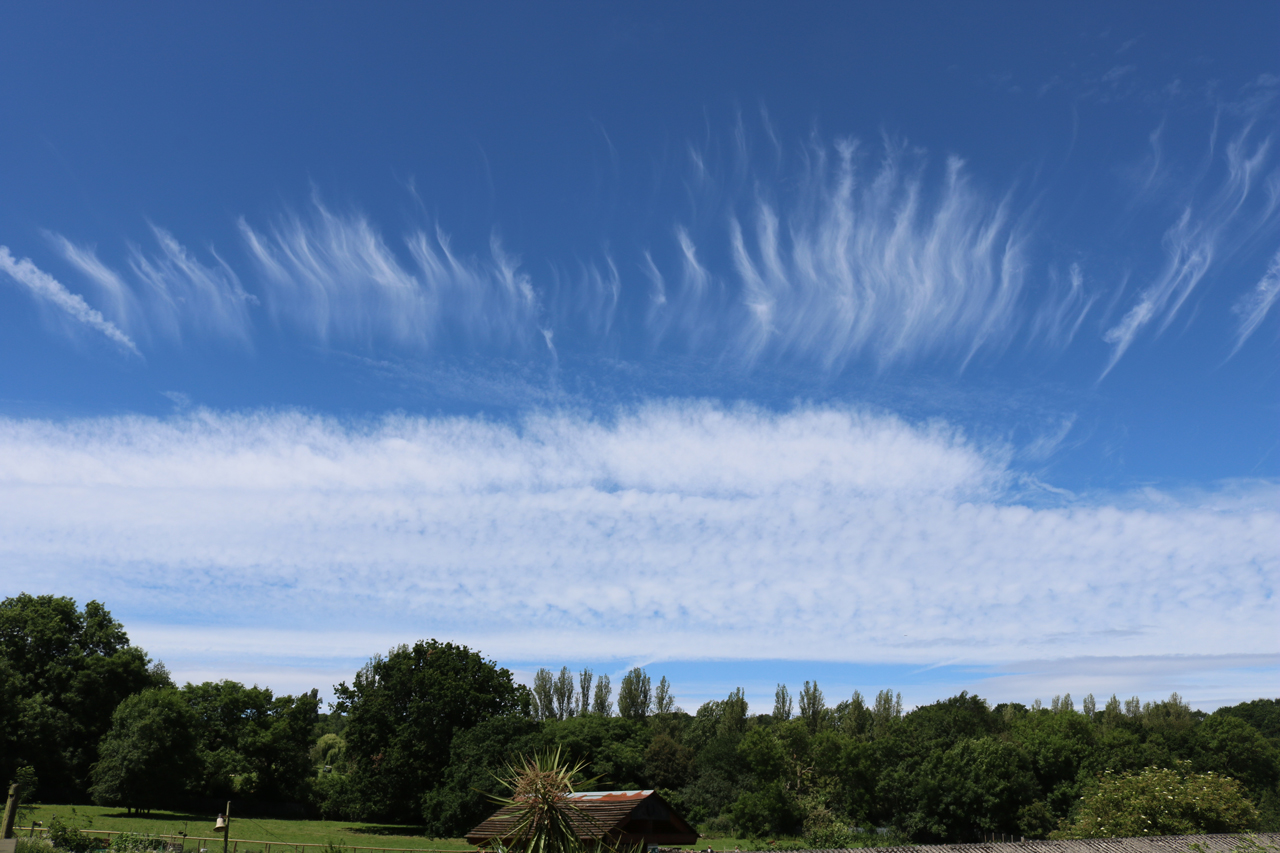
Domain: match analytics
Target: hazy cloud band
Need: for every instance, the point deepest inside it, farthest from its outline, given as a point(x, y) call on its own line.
point(678, 530)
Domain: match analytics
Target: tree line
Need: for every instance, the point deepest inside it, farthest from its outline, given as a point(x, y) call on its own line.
point(421, 734)
point(85, 715)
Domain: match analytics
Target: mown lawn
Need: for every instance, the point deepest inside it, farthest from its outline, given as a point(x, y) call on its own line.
point(269, 835)
point(252, 834)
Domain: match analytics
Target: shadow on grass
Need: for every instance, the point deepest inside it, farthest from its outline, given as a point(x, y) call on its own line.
point(176, 817)
point(382, 829)
point(198, 822)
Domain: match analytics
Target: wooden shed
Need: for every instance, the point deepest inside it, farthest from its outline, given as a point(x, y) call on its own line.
point(625, 819)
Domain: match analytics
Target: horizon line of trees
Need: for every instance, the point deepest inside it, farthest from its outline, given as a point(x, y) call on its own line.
point(419, 735)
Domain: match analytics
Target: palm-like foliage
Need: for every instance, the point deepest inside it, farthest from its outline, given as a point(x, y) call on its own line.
point(543, 817)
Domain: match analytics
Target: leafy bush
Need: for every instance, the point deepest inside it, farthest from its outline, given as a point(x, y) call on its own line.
point(719, 825)
point(769, 810)
point(843, 838)
point(824, 829)
point(32, 845)
point(831, 837)
point(27, 781)
point(132, 842)
point(333, 798)
point(1160, 801)
point(65, 837)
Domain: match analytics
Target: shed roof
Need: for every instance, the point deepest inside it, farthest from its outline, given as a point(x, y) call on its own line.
point(624, 817)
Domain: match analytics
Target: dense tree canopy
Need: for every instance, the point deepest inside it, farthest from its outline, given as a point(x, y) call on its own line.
point(421, 735)
point(1262, 714)
point(148, 758)
point(478, 757)
point(403, 711)
point(634, 695)
point(252, 743)
point(63, 671)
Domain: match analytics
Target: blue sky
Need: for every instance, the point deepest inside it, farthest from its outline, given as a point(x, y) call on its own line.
point(913, 345)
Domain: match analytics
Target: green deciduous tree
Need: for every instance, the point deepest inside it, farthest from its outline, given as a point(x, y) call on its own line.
point(667, 763)
point(977, 786)
point(713, 735)
point(63, 671)
point(544, 694)
point(1063, 750)
point(852, 716)
point(886, 711)
point(663, 701)
point(1161, 801)
point(329, 751)
point(563, 692)
point(905, 749)
point(767, 809)
point(403, 712)
point(634, 695)
point(478, 756)
point(612, 747)
point(733, 716)
point(1262, 714)
point(251, 742)
point(601, 700)
point(584, 691)
point(812, 704)
point(1231, 747)
point(148, 758)
point(845, 771)
point(782, 705)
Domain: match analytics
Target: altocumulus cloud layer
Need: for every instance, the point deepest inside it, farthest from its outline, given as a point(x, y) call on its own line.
point(677, 530)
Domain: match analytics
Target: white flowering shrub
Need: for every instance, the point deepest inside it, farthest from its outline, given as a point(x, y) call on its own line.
point(1160, 801)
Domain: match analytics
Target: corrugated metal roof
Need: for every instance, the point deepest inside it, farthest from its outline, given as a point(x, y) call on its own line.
point(609, 796)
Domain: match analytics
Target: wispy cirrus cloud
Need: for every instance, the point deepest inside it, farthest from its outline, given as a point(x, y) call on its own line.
point(334, 277)
point(676, 530)
point(167, 293)
point(49, 291)
point(1253, 307)
point(1203, 235)
point(891, 263)
point(888, 263)
point(1058, 318)
point(843, 255)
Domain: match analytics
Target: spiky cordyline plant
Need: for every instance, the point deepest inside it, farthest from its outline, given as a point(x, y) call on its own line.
point(542, 813)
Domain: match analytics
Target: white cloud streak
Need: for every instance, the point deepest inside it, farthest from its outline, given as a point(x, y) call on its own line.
point(888, 264)
point(167, 293)
point(881, 264)
point(1057, 320)
point(50, 291)
point(855, 257)
point(678, 531)
point(1200, 236)
point(1254, 306)
point(1213, 680)
point(334, 277)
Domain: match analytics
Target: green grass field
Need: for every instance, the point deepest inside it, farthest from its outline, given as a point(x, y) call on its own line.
point(267, 835)
point(248, 834)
